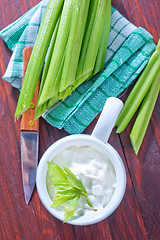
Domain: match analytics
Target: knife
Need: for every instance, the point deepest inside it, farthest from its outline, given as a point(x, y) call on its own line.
point(29, 138)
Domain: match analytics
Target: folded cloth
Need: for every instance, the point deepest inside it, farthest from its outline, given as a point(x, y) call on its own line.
point(129, 49)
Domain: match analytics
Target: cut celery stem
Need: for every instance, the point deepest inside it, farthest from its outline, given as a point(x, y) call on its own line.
point(104, 40)
point(55, 98)
point(140, 126)
point(73, 32)
point(41, 109)
point(95, 38)
point(53, 101)
point(38, 56)
point(86, 39)
point(50, 87)
point(89, 52)
point(139, 91)
point(78, 23)
point(48, 58)
point(100, 59)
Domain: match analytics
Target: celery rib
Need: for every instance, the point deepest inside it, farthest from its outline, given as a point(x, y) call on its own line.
point(86, 39)
point(54, 99)
point(50, 88)
point(139, 91)
point(48, 57)
point(41, 109)
point(85, 69)
point(76, 33)
point(104, 40)
point(78, 23)
point(38, 55)
point(140, 126)
point(95, 38)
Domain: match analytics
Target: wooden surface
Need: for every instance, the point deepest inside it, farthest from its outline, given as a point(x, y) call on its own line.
point(138, 216)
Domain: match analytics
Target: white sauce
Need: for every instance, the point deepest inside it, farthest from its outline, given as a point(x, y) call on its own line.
point(96, 172)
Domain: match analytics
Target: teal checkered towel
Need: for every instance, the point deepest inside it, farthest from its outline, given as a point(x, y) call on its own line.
point(129, 49)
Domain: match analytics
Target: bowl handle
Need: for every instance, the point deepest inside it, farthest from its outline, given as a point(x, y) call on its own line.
point(107, 119)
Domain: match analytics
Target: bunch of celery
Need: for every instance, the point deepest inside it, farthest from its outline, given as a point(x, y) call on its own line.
point(145, 91)
point(70, 47)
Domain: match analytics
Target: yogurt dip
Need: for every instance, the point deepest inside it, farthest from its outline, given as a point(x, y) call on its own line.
point(94, 169)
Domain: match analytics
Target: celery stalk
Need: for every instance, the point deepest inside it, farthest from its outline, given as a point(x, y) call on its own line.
point(53, 101)
point(78, 23)
point(94, 40)
point(86, 39)
point(48, 57)
point(38, 56)
point(50, 87)
point(144, 115)
point(55, 98)
point(50, 102)
point(104, 40)
point(41, 109)
point(139, 91)
point(102, 49)
point(95, 37)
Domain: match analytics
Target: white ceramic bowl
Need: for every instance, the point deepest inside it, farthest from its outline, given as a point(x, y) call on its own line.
point(99, 135)
point(54, 149)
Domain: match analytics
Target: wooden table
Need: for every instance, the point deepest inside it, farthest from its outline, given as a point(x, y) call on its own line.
point(138, 216)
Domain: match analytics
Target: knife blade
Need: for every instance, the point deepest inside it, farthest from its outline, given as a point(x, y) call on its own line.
point(29, 138)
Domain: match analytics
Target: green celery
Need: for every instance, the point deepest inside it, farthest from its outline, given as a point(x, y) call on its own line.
point(99, 64)
point(94, 40)
point(64, 188)
point(140, 126)
point(78, 48)
point(50, 87)
point(52, 101)
point(37, 58)
point(48, 57)
point(41, 109)
point(55, 99)
point(66, 92)
point(78, 23)
point(104, 40)
point(139, 91)
point(86, 39)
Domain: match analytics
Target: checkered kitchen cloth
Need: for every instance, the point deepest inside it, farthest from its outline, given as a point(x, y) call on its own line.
point(129, 49)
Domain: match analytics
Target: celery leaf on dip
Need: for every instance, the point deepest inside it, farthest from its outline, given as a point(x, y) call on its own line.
point(68, 189)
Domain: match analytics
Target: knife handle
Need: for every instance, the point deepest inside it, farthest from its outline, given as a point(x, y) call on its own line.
point(27, 122)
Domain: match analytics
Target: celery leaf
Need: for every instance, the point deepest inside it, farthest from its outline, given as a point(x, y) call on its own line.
point(68, 189)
